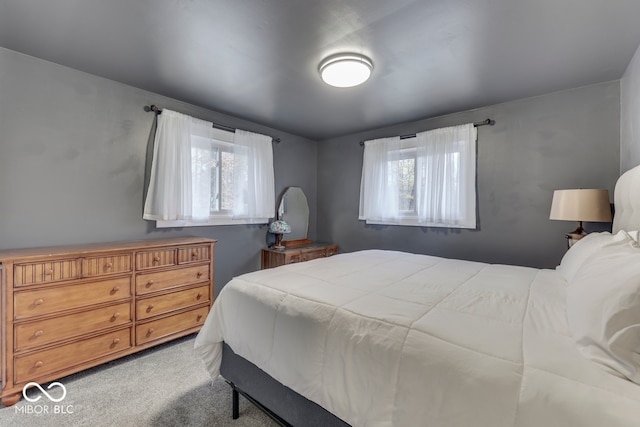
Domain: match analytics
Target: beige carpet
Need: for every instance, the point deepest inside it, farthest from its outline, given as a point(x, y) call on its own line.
point(163, 386)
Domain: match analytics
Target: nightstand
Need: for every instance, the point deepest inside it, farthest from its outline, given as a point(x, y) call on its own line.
point(277, 257)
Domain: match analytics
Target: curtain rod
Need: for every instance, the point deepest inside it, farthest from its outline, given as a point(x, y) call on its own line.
point(488, 122)
point(157, 110)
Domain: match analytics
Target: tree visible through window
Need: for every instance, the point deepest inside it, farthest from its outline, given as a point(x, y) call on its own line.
point(404, 170)
point(212, 166)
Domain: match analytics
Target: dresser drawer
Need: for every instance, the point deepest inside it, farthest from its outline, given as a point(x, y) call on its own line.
point(33, 334)
point(44, 301)
point(155, 258)
point(33, 365)
point(112, 264)
point(313, 254)
point(331, 250)
point(157, 329)
point(292, 259)
point(45, 271)
point(153, 306)
point(193, 254)
point(151, 282)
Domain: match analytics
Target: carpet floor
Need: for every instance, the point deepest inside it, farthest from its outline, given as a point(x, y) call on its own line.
point(163, 386)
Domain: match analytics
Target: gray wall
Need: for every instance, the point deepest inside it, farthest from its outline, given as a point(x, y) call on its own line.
point(73, 150)
point(74, 147)
point(630, 115)
point(567, 139)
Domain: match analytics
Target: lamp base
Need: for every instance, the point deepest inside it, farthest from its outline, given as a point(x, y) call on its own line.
point(575, 235)
point(278, 244)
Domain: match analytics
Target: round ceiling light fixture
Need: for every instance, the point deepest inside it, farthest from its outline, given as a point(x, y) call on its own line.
point(345, 69)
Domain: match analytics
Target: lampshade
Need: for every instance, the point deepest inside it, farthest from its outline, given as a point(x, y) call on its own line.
point(345, 70)
point(590, 205)
point(279, 227)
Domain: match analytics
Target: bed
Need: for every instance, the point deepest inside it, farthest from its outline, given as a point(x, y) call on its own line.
point(387, 338)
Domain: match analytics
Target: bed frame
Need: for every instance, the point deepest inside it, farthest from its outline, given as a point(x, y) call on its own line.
point(283, 405)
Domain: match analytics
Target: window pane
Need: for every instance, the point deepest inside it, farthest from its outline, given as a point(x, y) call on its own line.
point(203, 160)
point(226, 181)
point(214, 197)
point(406, 184)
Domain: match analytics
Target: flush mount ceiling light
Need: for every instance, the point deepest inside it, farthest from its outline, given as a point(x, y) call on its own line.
point(345, 70)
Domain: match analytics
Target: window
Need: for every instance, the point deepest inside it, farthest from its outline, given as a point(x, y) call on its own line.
point(206, 176)
point(428, 180)
point(212, 176)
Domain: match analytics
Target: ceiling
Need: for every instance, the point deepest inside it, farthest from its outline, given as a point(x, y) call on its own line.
point(258, 59)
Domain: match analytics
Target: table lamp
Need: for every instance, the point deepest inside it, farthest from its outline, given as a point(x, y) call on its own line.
point(591, 205)
point(279, 227)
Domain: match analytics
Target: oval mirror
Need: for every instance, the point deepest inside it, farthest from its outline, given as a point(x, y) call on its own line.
point(293, 209)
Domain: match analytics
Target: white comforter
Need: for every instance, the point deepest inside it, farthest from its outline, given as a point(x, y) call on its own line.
point(383, 338)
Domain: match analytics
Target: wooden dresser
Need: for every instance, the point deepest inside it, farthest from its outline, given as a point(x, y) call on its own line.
point(65, 309)
point(276, 257)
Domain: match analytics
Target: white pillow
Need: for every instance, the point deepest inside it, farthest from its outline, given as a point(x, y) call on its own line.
point(575, 257)
point(603, 309)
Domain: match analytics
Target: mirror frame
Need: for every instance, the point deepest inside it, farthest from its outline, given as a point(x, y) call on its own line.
point(295, 243)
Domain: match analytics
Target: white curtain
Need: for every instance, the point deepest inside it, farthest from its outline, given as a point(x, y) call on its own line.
point(169, 196)
point(379, 193)
point(253, 176)
point(180, 183)
point(445, 177)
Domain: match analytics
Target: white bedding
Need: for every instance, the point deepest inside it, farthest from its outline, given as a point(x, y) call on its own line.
point(383, 338)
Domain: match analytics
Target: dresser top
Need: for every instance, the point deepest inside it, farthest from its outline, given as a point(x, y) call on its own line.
point(76, 250)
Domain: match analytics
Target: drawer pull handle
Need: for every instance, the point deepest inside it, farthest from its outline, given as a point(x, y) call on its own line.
point(49, 272)
point(199, 274)
point(115, 289)
point(39, 301)
point(108, 265)
point(156, 259)
point(116, 341)
point(150, 331)
point(194, 254)
point(150, 307)
point(115, 315)
point(38, 364)
point(149, 283)
point(199, 295)
point(38, 333)
point(199, 318)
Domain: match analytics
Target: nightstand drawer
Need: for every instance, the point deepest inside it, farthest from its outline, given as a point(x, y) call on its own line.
point(169, 325)
point(46, 301)
point(45, 272)
point(151, 282)
point(33, 365)
point(165, 303)
point(33, 334)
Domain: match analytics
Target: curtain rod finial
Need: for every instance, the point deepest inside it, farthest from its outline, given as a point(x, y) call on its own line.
point(153, 108)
